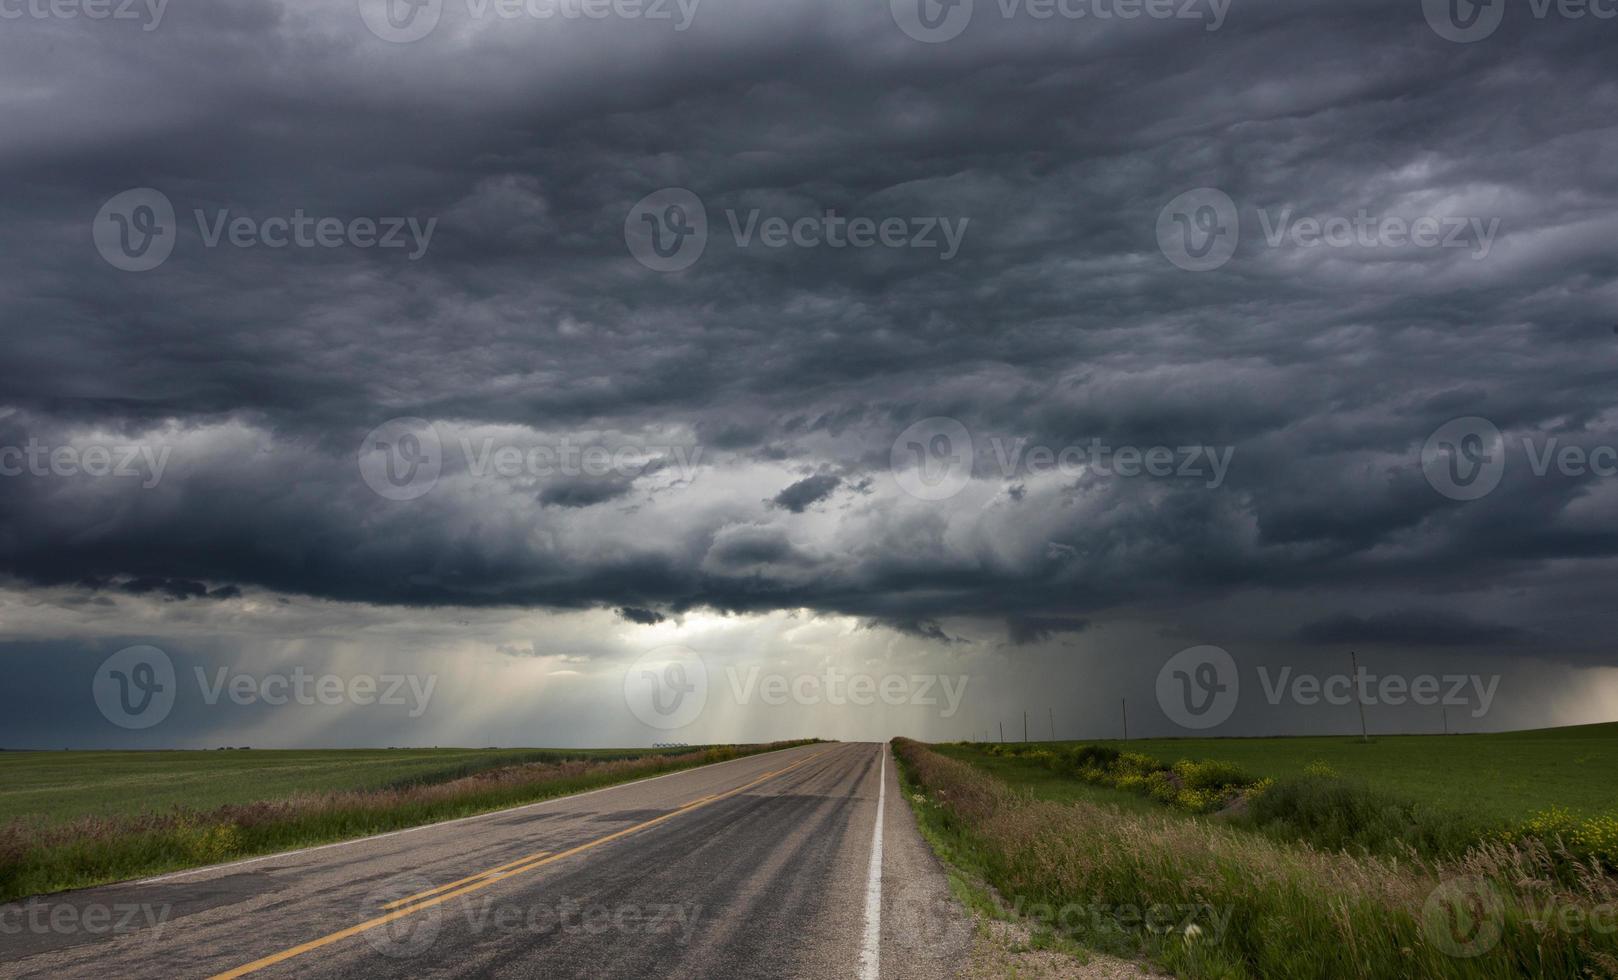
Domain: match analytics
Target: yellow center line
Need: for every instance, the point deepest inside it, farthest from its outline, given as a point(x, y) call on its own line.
point(481, 874)
point(492, 876)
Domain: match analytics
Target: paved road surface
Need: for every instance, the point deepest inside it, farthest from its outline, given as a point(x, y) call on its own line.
point(769, 866)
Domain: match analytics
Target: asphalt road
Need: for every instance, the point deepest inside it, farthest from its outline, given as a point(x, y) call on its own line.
point(770, 866)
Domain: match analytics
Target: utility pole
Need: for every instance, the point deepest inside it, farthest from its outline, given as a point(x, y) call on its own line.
point(1124, 704)
point(1002, 733)
point(1354, 659)
point(1445, 710)
point(1025, 726)
point(1053, 722)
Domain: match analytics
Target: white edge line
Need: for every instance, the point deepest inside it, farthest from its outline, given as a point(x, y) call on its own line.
point(189, 872)
point(871, 954)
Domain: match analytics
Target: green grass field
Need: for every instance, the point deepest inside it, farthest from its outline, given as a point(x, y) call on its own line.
point(1493, 777)
point(75, 819)
point(52, 787)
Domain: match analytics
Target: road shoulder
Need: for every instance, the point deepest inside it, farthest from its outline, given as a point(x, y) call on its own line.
point(977, 935)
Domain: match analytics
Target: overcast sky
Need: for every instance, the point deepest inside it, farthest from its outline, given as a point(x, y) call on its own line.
point(1009, 344)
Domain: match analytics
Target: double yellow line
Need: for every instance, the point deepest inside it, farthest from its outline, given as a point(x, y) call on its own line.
point(483, 879)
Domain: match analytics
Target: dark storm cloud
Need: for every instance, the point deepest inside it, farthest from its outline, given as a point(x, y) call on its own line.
point(925, 629)
point(582, 492)
point(1034, 629)
point(1410, 627)
point(1058, 321)
point(807, 492)
point(643, 617)
point(178, 589)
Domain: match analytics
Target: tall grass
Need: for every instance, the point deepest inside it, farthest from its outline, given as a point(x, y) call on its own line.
point(1337, 814)
point(37, 858)
point(1266, 908)
point(1320, 807)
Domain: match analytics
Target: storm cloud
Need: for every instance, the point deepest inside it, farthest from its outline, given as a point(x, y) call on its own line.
point(518, 406)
